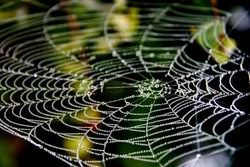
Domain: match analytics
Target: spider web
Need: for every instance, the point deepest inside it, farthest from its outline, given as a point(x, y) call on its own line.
point(99, 84)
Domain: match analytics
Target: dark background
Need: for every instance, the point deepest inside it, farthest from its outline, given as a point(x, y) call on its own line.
point(16, 152)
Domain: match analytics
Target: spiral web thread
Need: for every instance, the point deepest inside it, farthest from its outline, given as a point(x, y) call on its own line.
point(96, 85)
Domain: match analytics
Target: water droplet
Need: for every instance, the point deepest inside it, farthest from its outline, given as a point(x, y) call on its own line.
point(114, 54)
point(198, 155)
point(138, 53)
point(152, 55)
point(40, 146)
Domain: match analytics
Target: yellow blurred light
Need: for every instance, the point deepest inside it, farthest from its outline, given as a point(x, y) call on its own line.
point(220, 46)
point(126, 24)
point(102, 44)
point(219, 57)
point(121, 4)
point(71, 66)
point(80, 87)
point(73, 144)
point(4, 15)
point(74, 44)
